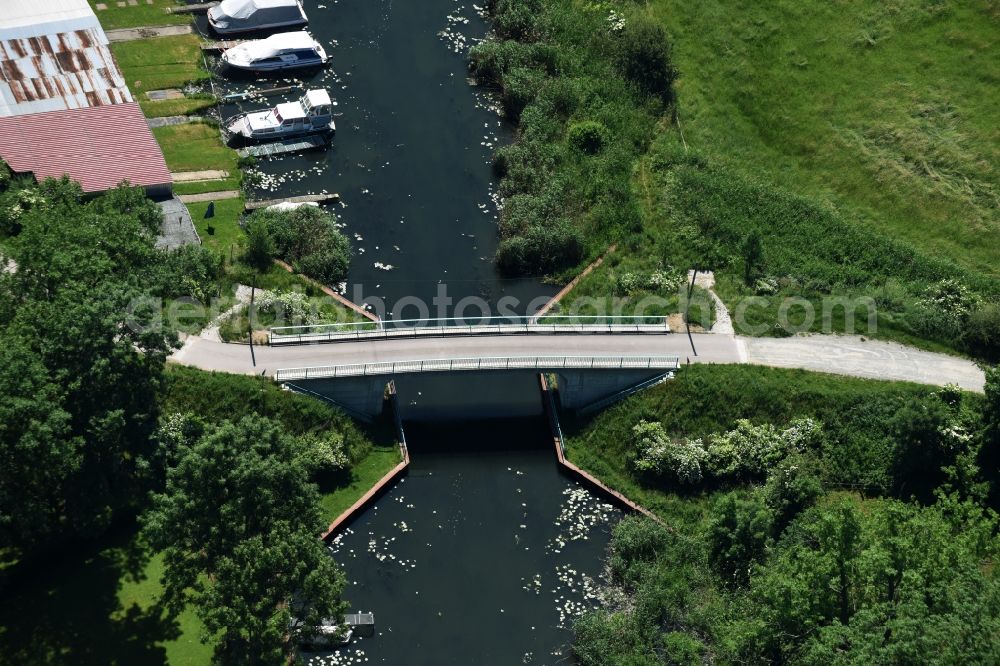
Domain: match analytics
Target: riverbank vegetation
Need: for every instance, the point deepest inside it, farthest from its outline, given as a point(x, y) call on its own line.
point(809, 519)
point(92, 423)
point(691, 134)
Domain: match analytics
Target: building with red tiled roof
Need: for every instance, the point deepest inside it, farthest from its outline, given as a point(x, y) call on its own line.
point(99, 146)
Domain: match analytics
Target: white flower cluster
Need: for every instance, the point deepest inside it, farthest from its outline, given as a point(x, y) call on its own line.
point(659, 280)
point(747, 449)
point(950, 298)
point(616, 22)
point(660, 454)
point(291, 305)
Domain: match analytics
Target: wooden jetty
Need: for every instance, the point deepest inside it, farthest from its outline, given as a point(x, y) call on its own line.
point(362, 623)
point(221, 46)
point(192, 9)
point(285, 147)
point(305, 198)
point(247, 94)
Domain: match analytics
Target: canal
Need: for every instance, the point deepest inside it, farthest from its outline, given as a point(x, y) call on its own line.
point(411, 156)
point(484, 553)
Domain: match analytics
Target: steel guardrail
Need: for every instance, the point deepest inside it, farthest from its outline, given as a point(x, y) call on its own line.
point(396, 329)
point(390, 368)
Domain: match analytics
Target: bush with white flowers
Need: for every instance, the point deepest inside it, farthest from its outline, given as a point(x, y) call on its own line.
point(659, 454)
point(750, 450)
point(292, 307)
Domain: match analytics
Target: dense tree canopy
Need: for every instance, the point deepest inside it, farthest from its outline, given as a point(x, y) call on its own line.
point(82, 367)
point(307, 237)
point(238, 523)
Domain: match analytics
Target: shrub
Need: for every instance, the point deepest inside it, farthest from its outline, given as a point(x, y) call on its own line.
point(588, 136)
point(659, 454)
point(749, 450)
point(737, 537)
point(982, 332)
point(520, 86)
point(515, 19)
point(792, 486)
point(644, 58)
point(308, 238)
point(324, 453)
point(540, 249)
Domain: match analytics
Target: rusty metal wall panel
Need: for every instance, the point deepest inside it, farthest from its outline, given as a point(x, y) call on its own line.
point(65, 70)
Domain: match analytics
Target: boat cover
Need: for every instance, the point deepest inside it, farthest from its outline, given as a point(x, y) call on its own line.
point(259, 49)
point(249, 14)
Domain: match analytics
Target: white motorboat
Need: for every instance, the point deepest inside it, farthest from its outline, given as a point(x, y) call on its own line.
point(285, 50)
point(236, 16)
point(311, 114)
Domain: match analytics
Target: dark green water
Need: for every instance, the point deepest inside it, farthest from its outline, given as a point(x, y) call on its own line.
point(483, 554)
point(411, 157)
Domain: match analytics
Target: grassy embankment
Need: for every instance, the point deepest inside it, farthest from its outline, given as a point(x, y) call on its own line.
point(858, 142)
point(747, 572)
point(97, 604)
point(706, 399)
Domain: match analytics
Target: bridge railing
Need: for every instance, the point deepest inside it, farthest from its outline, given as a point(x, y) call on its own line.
point(415, 328)
point(481, 363)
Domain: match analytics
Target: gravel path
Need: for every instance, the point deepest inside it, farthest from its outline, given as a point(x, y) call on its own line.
point(857, 356)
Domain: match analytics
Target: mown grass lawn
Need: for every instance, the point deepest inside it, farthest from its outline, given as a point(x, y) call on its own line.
point(886, 111)
point(363, 476)
point(184, 106)
point(143, 14)
point(197, 147)
point(160, 62)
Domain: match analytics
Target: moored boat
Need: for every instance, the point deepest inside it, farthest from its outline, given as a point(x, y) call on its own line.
point(311, 114)
point(285, 50)
point(237, 16)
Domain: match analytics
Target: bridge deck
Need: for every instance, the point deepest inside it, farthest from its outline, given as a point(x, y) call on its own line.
point(370, 331)
point(236, 358)
point(503, 363)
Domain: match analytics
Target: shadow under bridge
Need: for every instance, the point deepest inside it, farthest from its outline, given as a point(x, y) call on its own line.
point(466, 388)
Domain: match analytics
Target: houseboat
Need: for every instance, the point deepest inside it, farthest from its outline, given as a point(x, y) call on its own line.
point(311, 114)
point(285, 50)
point(239, 16)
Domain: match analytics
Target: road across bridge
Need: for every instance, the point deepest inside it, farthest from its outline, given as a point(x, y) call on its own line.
point(846, 355)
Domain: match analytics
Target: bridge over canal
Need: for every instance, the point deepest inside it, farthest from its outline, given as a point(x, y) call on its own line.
point(351, 365)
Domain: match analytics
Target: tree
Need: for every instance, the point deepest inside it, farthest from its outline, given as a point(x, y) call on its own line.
point(753, 254)
point(238, 524)
point(989, 452)
point(76, 433)
point(40, 452)
point(259, 252)
point(880, 582)
point(792, 486)
point(737, 537)
point(644, 58)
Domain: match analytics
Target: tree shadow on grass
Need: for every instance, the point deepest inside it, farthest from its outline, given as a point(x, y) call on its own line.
point(66, 609)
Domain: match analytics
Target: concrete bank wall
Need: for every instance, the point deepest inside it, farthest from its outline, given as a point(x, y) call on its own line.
point(582, 475)
point(383, 483)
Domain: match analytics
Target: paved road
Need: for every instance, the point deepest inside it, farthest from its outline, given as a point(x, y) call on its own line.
point(845, 355)
point(236, 358)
